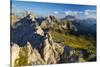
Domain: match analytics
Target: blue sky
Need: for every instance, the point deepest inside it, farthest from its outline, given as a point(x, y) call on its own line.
point(58, 10)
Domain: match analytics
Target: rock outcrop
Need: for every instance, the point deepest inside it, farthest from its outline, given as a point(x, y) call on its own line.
point(39, 31)
point(15, 52)
point(49, 54)
point(34, 57)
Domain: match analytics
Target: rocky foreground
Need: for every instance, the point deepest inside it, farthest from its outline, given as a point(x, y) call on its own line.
point(31, 45)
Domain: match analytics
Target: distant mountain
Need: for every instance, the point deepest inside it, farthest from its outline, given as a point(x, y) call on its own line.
point(89, 21)
point(83, 26)
point(86, 25)
point(69, 17)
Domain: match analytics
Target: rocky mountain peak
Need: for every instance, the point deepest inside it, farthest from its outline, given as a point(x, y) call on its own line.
point(31, 44)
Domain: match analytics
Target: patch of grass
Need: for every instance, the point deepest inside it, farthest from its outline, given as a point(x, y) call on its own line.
point(23, 57)
point(77, 42)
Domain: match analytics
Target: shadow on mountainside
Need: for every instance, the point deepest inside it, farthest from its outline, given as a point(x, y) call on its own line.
point(23, 32)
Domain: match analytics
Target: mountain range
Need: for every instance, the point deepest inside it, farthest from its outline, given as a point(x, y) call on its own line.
point(47, 40)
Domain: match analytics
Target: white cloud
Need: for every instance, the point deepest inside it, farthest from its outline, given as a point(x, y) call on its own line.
point(71, 12)
point(80, 12)
point(56, 12)
point(75, 12)
point(86, 12)
point(89, 12)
